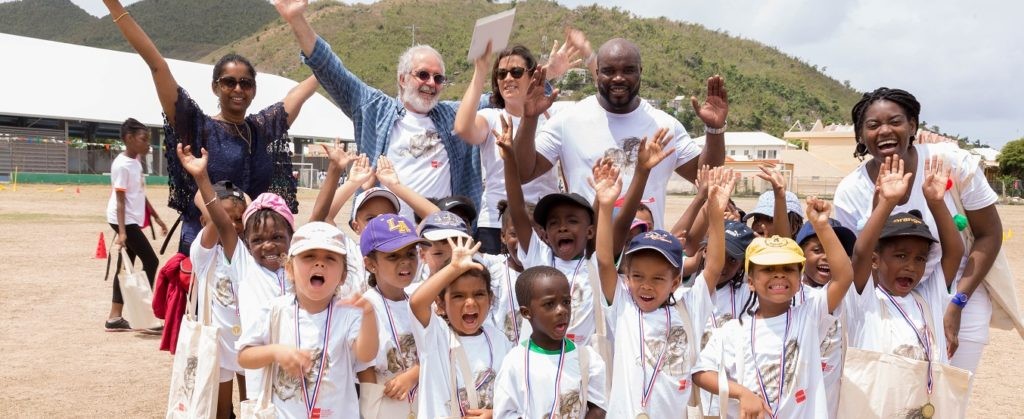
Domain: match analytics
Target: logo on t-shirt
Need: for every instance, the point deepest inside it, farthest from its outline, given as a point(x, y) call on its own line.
point(420, 144)
point(625, 158)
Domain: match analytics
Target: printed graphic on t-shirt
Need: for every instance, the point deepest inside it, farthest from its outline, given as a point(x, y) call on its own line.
point(407, 359)
point(484, 392)
point(577, 302)
point(286, 386)
point(625, 158)
point(831, 342)
point(722, 319)
point(676, 363)
point(420, 144)
point(771, 372)
point(509, 325)
point(223, 291)
point(569, 406)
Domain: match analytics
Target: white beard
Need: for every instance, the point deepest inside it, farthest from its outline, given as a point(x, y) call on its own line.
point(412, 100)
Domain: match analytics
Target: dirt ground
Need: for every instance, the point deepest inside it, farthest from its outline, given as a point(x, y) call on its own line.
point(57, 361)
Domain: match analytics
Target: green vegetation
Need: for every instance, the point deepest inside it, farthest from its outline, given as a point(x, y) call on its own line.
point(1011, 159)
point(45, 19)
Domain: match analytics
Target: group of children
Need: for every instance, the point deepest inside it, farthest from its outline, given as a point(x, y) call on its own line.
point(587, 313)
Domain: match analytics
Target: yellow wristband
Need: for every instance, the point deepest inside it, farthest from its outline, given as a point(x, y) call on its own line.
point(120, 16)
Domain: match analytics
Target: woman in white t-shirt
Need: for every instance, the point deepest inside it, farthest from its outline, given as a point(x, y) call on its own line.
point(510, 76)
point(885, 122)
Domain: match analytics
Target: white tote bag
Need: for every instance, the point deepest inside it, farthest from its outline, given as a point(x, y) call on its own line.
point(137, 295)
point(263, 406)
point(195, 373)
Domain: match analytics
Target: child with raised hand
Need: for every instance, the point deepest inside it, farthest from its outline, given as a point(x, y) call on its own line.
point(388, 178)
point(889, 264)
point(436, 229)
point(505, 269)
point(778, 211)
point(549, 375)
point(316, 340)
point(773, 358)
point(388, 246)
point(257, 265)
point(655, 333)
point(460, 351)
point(568, 223)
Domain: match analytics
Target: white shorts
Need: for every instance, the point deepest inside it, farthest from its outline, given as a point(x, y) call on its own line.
point(227, 375)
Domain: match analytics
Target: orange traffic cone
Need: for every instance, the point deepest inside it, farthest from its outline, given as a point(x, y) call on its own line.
point(101, 248)
point(78, 191)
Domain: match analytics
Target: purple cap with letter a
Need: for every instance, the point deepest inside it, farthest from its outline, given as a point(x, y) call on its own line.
point(387, 233)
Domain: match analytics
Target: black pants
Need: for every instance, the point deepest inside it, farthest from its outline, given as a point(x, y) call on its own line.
point(135, 244)
point(490, 240)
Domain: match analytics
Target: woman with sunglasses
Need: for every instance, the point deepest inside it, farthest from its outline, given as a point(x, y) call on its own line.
point(250, 150)
point(510, 73)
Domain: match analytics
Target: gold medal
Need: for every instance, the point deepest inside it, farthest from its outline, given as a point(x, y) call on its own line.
point(928, 410)
point(642, 415)
point(412, 415)
point(236, 330)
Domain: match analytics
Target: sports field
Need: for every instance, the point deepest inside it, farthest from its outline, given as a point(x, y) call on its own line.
point(56, 360)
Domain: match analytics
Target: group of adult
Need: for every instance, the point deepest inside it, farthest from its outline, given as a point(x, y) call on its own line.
point(445, 148)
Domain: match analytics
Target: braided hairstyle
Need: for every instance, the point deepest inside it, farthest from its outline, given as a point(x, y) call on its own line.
point(903, 98)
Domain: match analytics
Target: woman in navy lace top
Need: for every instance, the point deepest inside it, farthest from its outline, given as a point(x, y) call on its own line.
point(250, 150)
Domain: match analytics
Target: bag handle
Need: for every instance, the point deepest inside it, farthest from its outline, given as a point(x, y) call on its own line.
point(467, 375)
point(584, 377)
point(268, 371)
point(595, 288)
point(126, 263)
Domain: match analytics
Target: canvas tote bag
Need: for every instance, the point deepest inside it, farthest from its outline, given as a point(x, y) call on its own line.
point(137, 294)
point(263, 406)
point(196, 370)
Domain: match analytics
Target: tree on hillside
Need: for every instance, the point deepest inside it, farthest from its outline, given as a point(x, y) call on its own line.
point(1011, 159)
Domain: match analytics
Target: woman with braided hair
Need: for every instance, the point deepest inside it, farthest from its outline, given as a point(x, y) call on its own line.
point(885, 125)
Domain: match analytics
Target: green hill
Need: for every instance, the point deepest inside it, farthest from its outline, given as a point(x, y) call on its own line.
point(45, 19)
point(768, 90)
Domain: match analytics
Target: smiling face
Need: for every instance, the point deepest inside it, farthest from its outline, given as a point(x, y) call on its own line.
point(393, 270)
point(567, 230)
point(369, 210)
point(618, 76)
point(817, 272)
point(512, 89)
point(317, 274)
point(762, 225)
point(418, 95)
point(549, 310)
point(466, 302)
point(650, 278)
point(886, 130)
point(774, 285)
point(900, 263)
point(268, 240)
point(234, 100)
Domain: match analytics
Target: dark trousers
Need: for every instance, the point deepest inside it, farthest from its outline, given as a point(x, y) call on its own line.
point(135, 244)
point(490, 240)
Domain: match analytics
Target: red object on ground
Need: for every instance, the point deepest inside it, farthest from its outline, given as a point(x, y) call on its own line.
point(101, 248)
point(170, 295)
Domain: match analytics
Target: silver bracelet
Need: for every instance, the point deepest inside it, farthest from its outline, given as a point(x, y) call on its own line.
point(709, 130)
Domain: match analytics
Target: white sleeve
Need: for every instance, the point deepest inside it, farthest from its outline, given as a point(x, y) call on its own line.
point(538, 255)
point(699, 304)
point(507, 389)
point(596, 382)
point(711, 356)
point(977, 194)
point(200, 255)
point(686, 148)
point(548, 141)
point(120, 175)
point(845, 202)
point(256, 335)
point(353, 323)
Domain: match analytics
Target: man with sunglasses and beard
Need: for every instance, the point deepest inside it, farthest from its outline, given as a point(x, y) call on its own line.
point(611, 124)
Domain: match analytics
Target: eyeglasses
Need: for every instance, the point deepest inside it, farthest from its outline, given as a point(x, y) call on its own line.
point(516, 72)
point(425, 75)
point(231, 82)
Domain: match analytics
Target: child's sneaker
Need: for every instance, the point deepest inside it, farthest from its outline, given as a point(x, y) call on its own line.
point(117, 324)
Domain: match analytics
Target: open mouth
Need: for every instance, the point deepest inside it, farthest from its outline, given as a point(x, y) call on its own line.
point(646, 298)
point(904, 283)
point(316, 280)
point(824, 270)
point(565, 246)
point(887, 145)
point(471, 319)
point(560, 329)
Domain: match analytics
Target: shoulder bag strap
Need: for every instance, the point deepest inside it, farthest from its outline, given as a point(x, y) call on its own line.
point(211, 275)
point(601, 329)
point(584, 377)
point(268, 371)
point(467, 373)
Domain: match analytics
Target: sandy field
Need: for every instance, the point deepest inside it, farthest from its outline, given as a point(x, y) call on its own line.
point(56, 360)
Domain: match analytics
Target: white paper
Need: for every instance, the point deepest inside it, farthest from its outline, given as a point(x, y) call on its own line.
point(495, 28)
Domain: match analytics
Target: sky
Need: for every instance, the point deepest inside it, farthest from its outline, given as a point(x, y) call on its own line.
point(960, 61)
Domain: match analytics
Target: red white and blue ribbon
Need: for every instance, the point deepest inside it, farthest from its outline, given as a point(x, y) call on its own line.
point(394, 338)
point(782, 364)
point(487, 373)
point(512, 309)
point(311, 410)
point(924, 339)
point(648, 385)
point(558, 378)
point(280, 279)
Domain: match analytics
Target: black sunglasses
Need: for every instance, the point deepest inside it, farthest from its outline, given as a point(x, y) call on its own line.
point(516, 72)
point(231, 82)
point(425, 75)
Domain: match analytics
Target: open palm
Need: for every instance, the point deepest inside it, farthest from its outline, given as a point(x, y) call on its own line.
point(716, 106)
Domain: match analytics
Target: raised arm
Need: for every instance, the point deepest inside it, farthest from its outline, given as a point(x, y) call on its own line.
point(514, 185)
point(713, 113)
point(531, 164)
point(892, 185)
point(842, 269)
point(607, 184)
point(934, 188)
point(780, 215)
point(358, 176)
point(463, 250)
point(650, 153)
point(692, 226)
point(166, 86)
point(389, 178)
point(338, 160)
point(292, 11)
point(721, 183)
point(297, 96)
point(196, 166)
point(470, 126)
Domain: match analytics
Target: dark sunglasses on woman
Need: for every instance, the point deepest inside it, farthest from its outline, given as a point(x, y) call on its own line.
point(425, 75)
point(516, 72)
point(231, 82)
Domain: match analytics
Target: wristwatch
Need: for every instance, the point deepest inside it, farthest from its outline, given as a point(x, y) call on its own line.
point(960, 299)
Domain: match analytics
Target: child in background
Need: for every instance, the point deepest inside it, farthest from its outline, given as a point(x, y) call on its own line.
point(549, 374)
point(436, 229)
point(505, 269)
point(773, 357)
point(459, 205)
point(319, 341)
point(126, 210)
point(258, 266)
point(889, 264)
point(460, 351)
point(389, 253)
point(778, 211)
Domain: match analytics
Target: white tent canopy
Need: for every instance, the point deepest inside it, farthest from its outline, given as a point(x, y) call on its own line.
point(46, 79)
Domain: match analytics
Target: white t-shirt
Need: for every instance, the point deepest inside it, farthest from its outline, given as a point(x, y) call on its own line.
point(504, 314)
point(435, 344)
point(804, 393)
point(631, 374)
point(582, 324)
point(831, 347)
point(126, 175)
point(493, 169)
point(223, 293)
point(337, 394)
point(582, 134)
point(512, 400)
point(853, 203)
point(875, 324)
point(391, 359)
point(257, 287)
point(420, 159)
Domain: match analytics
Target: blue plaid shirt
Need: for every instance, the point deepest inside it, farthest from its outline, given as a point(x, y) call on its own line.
point(374, 114)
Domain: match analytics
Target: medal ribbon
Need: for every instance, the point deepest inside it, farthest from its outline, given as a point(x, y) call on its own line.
point(280, 279)
point(311, 402)
point(925, 340)
point(782, 364)
point(394, 337)
point(511, 299)
point(572, 283)
point(486, 375)
point(558, 377)
point(648, 389)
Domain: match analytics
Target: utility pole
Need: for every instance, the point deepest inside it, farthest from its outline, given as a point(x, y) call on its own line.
point(413, 28)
